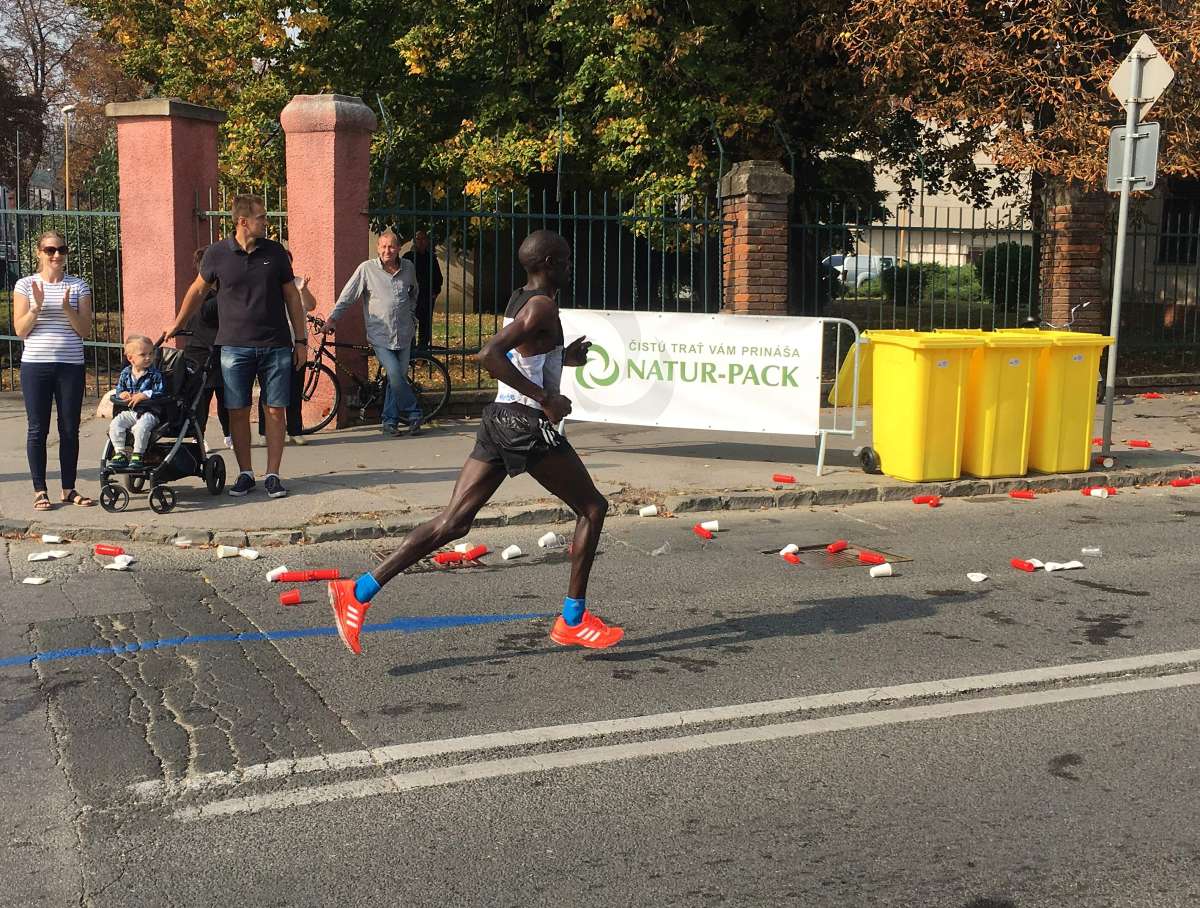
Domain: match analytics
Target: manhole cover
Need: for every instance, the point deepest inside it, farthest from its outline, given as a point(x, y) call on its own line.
point(816, 556)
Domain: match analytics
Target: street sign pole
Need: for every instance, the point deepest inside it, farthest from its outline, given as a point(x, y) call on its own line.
point(1132, 103)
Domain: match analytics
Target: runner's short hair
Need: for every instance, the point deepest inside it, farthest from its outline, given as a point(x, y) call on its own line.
point(244, 206)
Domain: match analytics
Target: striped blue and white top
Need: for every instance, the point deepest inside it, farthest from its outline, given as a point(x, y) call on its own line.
point(52, 339)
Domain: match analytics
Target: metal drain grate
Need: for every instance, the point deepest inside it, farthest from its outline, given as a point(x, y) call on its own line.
point(816, 556)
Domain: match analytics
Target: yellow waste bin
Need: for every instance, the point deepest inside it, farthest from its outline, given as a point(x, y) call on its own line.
point(999, 401)
point(917, 401)
point(1064, 400)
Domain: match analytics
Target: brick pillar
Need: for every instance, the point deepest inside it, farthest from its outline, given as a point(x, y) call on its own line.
point(1074, 257)
point(328, 175)
point(167, 158)
point(754, 205)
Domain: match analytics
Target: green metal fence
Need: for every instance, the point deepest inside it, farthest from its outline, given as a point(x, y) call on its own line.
point(928, 267)
point(628, 252)
point(214, 222)
point(95, 241)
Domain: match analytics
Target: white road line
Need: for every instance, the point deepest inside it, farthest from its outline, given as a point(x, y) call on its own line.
point(381, 756)
point(492, 769)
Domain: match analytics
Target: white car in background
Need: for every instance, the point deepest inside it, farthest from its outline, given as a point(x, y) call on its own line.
point(856, 270)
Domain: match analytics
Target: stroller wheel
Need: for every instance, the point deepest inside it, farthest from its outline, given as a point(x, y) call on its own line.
point(214, 474)
point(162, 499)
point(869, 460)
point(113, 497)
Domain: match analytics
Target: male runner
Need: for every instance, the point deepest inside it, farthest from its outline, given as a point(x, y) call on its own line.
point(516, 434)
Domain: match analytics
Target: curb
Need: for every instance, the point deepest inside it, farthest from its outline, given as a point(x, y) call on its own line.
point(398, 524)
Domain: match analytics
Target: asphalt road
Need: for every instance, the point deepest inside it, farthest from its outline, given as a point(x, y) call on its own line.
point(232, 752)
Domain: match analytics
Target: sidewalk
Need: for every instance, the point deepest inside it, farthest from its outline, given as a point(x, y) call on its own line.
point(356, 483)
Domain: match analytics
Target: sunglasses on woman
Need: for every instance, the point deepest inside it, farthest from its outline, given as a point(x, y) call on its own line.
point(61, 250)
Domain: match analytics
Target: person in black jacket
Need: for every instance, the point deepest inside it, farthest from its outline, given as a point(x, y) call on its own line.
point(199, 345)
point(429, 285)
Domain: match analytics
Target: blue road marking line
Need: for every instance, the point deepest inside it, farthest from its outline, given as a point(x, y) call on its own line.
point(403, 625)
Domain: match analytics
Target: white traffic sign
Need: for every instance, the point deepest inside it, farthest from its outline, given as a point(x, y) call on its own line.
point(1144, 169)
point(1156, 76)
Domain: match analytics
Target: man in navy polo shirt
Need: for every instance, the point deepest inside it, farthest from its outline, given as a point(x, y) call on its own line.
point(256, 300)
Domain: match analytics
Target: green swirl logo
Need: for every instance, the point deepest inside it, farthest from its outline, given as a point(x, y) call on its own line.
point(602, 375)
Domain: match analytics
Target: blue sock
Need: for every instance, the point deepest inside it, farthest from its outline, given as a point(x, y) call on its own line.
point(365, 587)
point(573, 610)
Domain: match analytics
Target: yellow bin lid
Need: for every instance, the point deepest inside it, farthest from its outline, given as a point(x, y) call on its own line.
point(1005, 339)
point(926, 340)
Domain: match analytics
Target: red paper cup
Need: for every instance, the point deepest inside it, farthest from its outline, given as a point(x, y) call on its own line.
point(935, 501)
point(1181, 483)
point(782, 477)
point(1022, 565)
point(448, 558)
point(330, 574)
point(791, 558)
point(1025, 494)
point(923, 499)
point(1098, 440)
point(1138, 443)
point(103, 548)
point(871, 558)
point(701, 532)
point(289, 597)
point(478, 552)
point(1152, 395)
point(838, 545)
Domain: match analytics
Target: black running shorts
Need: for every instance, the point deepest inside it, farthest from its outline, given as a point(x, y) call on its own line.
point(514, 436)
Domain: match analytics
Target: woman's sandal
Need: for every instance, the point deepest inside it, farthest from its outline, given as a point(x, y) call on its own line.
point(73, 497)
point(41, 502)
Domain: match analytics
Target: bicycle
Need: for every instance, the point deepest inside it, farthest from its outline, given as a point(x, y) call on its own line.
point(428, 377)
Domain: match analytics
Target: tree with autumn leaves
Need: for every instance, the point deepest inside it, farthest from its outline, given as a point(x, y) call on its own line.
point(469, 91)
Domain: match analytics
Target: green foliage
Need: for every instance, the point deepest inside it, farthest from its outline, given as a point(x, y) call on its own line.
point(1008, 276)
point(911, 283)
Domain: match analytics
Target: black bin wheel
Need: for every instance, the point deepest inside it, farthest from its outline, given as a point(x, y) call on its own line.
point(113, 497)
point(869, 460)
point(162, 499)
point(214, 474)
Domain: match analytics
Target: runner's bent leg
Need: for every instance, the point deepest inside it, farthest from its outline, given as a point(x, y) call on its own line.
point(563, 474)
point(476, 484)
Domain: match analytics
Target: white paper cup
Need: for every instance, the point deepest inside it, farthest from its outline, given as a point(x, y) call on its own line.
point(227, 551)
point(712, 526)
point(183, 543)
point(513, 551)
point(51, 539)
point(275, 572)
point(249, 554)
point(977, 577)
point(881, 570)
point(35, 581)
point(1098, 493)
point(650, 510)
point(119, 563)
point(789, 549)
point(463, 547)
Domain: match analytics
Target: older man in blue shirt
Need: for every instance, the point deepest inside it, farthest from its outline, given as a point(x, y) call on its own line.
point(387, 285)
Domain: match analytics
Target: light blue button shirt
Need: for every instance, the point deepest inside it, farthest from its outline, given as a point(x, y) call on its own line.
point(391, 300)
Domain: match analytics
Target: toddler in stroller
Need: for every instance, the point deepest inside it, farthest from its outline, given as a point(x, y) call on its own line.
point(171, 440)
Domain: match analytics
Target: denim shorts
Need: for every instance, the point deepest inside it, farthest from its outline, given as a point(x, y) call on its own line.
point(272, 366)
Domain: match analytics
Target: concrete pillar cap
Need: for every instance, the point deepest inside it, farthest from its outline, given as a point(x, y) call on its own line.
point(327, 113)
point(757, 178)
point(164, 107)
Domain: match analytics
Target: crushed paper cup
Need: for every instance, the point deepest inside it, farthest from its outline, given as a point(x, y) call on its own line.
point(788, 549)
point(119, 563)
point(275, 573)
point(1092, 551)
point(551, 541)
point(1021, 565)
point(650, 510)
point(513, 551)
point(1152, 395)
point(935, 501)
point(882, 570)
point(181, 543)
point(48, 556)
point(700, 531)
point(463, 547)
point(36, 581)
point(977, 577)
point(1098, 493)
point(1036, 563)
point(1052, 566)
point(51, 539)
point(227, 551)
point(249, 554)
point(713, 526)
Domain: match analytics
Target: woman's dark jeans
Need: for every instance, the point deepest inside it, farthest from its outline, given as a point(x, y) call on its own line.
point(60, 384)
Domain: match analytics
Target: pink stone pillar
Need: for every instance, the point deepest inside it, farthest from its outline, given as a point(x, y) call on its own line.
point(167, 158)
point(328, 175)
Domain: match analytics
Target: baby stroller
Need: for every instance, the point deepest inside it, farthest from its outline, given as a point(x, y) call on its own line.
point(176, 449)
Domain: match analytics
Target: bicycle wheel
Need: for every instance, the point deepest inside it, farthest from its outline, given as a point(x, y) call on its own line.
point(430, 383)
point(321, 384)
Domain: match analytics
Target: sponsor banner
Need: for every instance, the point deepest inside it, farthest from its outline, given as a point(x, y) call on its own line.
point(735, 373)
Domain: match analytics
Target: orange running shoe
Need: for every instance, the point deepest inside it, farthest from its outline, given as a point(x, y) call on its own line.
point(590, 632)
point(348, 613)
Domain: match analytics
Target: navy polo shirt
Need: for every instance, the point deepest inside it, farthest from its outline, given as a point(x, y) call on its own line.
point(250, 306)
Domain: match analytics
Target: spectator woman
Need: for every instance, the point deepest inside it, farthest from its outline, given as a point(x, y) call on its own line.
point(52, 313)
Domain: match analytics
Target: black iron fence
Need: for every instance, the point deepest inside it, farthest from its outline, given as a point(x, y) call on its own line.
point(628, 252)
point(95, 243)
